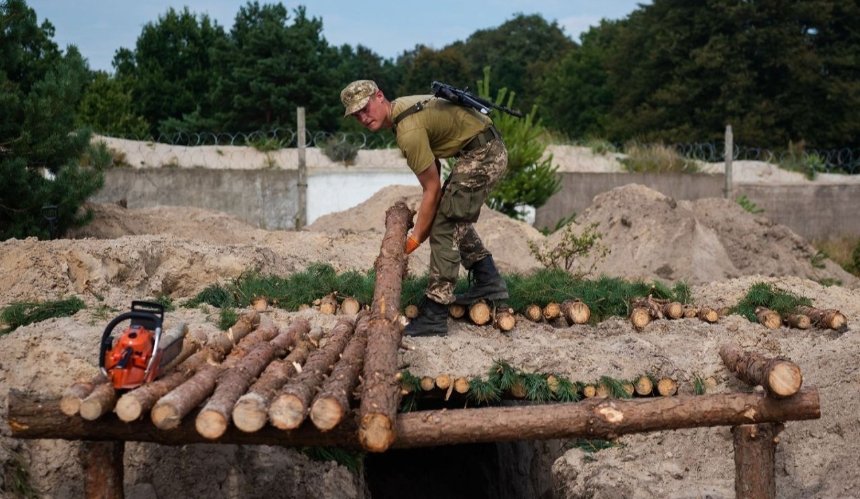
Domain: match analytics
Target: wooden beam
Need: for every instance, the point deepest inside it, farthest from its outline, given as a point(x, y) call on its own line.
point(30, 417)
point(103, 469)
point(755, 448)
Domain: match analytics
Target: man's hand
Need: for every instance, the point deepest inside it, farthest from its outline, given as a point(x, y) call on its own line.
point(411, 244)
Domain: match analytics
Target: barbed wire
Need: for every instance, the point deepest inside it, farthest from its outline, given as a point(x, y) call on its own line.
point(838, 160)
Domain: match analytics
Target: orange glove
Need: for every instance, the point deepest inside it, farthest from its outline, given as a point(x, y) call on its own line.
point(411, 244)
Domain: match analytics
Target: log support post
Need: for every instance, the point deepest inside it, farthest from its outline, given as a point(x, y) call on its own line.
point(755, 448)
point(103, 469)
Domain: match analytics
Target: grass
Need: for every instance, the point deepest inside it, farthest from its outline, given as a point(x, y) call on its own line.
point(845, 251)
point(748, 205)
point(19, 314)
point(656, 158)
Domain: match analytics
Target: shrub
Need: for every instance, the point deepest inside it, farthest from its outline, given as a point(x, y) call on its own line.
point(656, 158)
point(572, 251)
point(340, 150)
point(748, 205)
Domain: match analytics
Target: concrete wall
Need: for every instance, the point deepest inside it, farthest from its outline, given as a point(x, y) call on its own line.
point(265, 198)
point(814, 211)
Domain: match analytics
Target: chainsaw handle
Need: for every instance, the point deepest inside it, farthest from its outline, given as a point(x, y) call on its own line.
point(106, 335)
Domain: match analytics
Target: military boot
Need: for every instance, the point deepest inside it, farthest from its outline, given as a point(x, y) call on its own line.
point(487, 284)
point(432, 320)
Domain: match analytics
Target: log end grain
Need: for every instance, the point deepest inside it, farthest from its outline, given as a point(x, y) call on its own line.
point(673, 310)
point(640, 317)
point(710, 315)
point(70, 405)
point(210, 424)
point(533, 313)
point(456, 311)
point(643, 386)
point(667, 387)
point(443, 381)
point(287, 412)
point(249, 414)
point(479, 313)
point(461, 385)
point(326, 413)
point(165, 416)
point(551, 311)
point(784, 379)
point(376, 433)
point(350, 306)
point(410, 312)
point(128, 408)
point(505, 321)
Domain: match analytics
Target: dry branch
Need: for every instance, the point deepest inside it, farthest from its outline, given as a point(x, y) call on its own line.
point(381, 391)
point(780, 377)
point(332, 403)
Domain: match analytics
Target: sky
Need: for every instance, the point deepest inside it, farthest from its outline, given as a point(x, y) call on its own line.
point(99, 27)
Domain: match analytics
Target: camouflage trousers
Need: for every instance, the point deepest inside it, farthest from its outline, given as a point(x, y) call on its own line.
point(453, 239)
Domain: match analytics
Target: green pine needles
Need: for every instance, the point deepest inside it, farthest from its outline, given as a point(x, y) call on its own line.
point(19, 314)
point(769, 296)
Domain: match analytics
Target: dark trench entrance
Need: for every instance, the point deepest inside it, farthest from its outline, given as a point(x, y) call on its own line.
point(493, 470)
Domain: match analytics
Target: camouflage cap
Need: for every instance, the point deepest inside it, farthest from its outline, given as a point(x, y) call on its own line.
point(356, 95)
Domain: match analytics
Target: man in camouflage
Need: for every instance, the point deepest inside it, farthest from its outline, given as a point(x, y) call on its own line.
point(427, 129)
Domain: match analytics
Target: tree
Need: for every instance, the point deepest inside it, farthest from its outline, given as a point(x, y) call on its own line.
point(106, 107)
point(531, 177)
point(426, 65)
point(269, 67)
point(170, 70)
point(38, 142)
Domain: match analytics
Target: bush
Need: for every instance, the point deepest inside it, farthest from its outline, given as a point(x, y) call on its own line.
point(340, 150)
point(572, 251)
point(748, 205)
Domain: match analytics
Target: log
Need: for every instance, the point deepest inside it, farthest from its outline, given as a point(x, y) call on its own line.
point(505, 320)
point(708, 315)
point(380, 395)
point(551, 310)
point(456, 311)
point(427, 383)
point(644, 386)
point(70, 403)
point(260, 304)
point(328, 304)
point(350, 306)
point(601, 390)
point(673, 310)
point(755, 451)
point(461, 385)
point(798, 321)
point(103, 469)
point(135, 403)
point(589, 391)
point(443, 381)
point(99, 402)
point(824, 318)
point(640, 317)
point(651, 304)
point(518, 389)
point(176, 404)
point(768, 318)
point(667, 387)
point(575, 312)
point(480, 313)
point(533, 313)
point(252, 409)
point(781, 378)
point(212, 420)
point(290, 408)
point(411, 311)
point(691, 311)
point(629, 389)
point(552, 383)
point(32, 417)
point(331, 404)
point(191, 343)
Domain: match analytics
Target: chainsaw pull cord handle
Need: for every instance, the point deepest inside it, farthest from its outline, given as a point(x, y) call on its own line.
point(106, 336)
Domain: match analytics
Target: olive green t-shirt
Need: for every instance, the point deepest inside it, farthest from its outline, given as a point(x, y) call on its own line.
point(439, 130)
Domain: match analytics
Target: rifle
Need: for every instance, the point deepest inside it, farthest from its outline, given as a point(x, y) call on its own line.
point(464, 98)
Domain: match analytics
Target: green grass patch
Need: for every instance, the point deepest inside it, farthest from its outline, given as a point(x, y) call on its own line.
point(19, 314)
point(226, 318)
point(766, 295)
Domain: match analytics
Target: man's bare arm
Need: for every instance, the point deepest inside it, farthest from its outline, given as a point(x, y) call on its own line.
point(432, 187)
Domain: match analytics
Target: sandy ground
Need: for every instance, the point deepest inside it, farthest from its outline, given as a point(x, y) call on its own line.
point(712, 244)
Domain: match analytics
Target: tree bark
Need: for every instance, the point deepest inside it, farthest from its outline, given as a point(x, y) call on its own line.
point(213, 419)
point(780, 377)
point(31, 417)
point(768, 318)
point(824, 318)
point(251, 410)
point(332, 402)
point(290, 408)
point(755, 448)
point(171, 408)
point(381, 392)
point(70, 403)
point(135, 403)
point(103, 469)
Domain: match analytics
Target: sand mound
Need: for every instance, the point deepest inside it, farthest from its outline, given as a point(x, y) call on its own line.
point(652, 236)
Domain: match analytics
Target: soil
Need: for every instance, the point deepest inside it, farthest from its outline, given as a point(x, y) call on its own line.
point(712, 244)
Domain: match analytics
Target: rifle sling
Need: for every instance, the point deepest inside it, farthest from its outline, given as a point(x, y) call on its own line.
point(418, 106)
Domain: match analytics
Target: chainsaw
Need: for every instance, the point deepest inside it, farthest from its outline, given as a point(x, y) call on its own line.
point(140, 353)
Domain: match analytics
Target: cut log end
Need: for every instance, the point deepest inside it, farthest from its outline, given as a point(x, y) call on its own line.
point(456, 311)
point(165, 417)
point(287, 412)
point(644, 386)
point(461, 385)
point(576, 312)
point(551, 311)
point(533, 313)
point(785, 379)
point(326, 413)
point(768, 318)
point(210, 424)
point(411, 311)
point(249, 415)
point(479, 313)
point(798, 321)
point(640, 317)
point(427, 383)
point(376, 433)
point(443, 381)
point(709, 315)
point(505, 321)
point(667, 387)
point(70, 405)
point(673, 310)
point(350, 306)
point(128, 408)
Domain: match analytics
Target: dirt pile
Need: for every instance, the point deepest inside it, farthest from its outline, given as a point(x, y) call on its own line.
point(179, 251)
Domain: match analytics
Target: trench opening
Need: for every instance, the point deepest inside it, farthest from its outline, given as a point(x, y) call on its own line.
point(505, 470)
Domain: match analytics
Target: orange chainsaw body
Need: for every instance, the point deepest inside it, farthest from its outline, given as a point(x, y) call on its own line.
point(127, 362)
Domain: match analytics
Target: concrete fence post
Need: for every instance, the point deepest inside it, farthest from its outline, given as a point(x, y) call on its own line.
point(730, 152)
point(302, 208)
